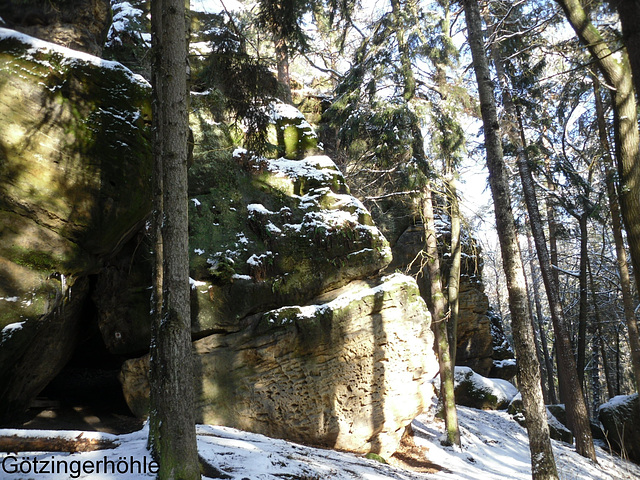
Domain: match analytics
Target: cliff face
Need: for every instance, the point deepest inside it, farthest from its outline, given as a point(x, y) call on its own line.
point(74, 183)
point(78, 24)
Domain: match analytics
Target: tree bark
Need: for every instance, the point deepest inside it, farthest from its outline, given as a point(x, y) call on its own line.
point(584, 299)
point(543, 462)
point(282, 62)
point(577, 414)
point(438, 312)
point(172, 437)
point(453, 285)
point(629, 13)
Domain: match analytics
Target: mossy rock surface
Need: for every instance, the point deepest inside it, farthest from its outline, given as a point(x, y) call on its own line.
point(290, 133)
point(474, 390)
point(270, 232)
point(75, 168)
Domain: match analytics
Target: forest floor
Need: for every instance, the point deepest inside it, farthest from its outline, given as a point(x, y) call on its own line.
point(494, 447)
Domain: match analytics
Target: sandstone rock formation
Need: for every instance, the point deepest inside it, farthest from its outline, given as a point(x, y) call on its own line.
point(75, 171)
point(349, 371)
point(299, 337)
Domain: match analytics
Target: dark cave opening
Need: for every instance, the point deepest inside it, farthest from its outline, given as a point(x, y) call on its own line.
point(87, 393)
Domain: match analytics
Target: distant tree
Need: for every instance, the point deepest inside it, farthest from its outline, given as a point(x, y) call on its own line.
point(542, 460)
point(172, 436)
point(283, 19)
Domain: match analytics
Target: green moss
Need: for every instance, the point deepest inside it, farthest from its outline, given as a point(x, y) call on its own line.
point(376, 457)
point(37, 260)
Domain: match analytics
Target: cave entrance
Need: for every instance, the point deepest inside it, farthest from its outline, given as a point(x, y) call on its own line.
point(86, 394)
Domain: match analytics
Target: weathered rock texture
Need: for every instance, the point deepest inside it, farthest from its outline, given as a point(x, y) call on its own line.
point(621, 423)
point(75, 167)
point(349, 371)
point(78, 24)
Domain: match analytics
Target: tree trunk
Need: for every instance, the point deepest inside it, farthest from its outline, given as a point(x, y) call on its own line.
point(584, 299)
point(621, 252)
point(597, 337)
point(547, 371)
point(577, 413)
point(172, 436)
point(438, 313)
point(543, 463)
point(548, 361)
point(282, 62)
point(453, 286)
point(629, 13)
point(532, 316)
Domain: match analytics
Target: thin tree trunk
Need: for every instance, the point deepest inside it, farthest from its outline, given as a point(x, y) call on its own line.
point(438, 313)
point(547, 371)
point(597, 336)
point(577, 413)
point(621, 252)
point(584, 299)
point(172, 436)
point(532, 316)
point(453, 286)
point(282, 62)
point(548, 361)
point(543, 463)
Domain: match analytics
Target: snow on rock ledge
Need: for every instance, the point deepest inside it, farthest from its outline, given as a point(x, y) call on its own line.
point(474, 390)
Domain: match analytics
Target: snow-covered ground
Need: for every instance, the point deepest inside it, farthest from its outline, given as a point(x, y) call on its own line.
point(494, 448)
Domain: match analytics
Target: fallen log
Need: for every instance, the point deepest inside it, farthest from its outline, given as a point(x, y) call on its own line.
point(54, 441)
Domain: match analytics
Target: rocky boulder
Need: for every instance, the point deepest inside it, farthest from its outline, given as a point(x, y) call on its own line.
point(75, 165)
point(620, 419)
point(290, 132)
point(474, 390)
point(348, 371)
point(557, 430)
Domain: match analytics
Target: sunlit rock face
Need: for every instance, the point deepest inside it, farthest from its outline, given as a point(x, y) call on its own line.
point(75, 166)
point(481, 342)
point(350, 370)
point(298, 334)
